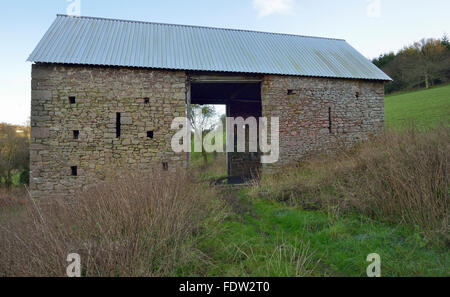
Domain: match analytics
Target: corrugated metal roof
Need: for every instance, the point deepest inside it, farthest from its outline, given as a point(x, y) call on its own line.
point(99, 41)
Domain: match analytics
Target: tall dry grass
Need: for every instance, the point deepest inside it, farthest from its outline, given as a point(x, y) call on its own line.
point(138, 225)
point(401, 177)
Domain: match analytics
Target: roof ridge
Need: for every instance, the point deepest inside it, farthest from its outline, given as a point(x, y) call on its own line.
point(196, 26)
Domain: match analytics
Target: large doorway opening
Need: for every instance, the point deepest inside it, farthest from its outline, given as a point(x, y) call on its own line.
point(239, 96)
point(210, 121)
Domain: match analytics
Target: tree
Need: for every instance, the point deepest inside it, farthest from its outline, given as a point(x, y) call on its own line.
point(384, 59)
point(430, 53)
point(14, 152)
point(445, 41)
point(203, 120)
point(422, 64)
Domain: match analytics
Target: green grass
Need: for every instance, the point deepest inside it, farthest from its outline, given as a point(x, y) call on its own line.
point(427, 108)
point(339, 244)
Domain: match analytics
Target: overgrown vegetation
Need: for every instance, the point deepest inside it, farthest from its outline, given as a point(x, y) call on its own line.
point(14, 155)
point(321, 217)
point(215, 169)
point(141, 225)
point(324, 216)
point(399, 177)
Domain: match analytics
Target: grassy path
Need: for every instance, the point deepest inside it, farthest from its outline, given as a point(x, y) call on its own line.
point(262, 238)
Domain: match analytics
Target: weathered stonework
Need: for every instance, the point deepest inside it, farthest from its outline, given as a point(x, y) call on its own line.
point(149, 99)
point(355, 107)
point(100, 93)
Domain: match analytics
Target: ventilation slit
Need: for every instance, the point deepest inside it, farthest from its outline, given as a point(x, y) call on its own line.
point(118, 125)
point(329, 120)
point(76, 134)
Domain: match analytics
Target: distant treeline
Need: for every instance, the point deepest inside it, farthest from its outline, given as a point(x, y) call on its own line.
point(421, 65)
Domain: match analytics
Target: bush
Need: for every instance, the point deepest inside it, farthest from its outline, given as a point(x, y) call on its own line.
point(14, 152)
point(139, 225)
point(24, 178)
point(401, 177)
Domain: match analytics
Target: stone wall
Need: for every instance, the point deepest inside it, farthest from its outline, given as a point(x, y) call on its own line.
point(316, 115)
point(100, 93)
point(306, 105)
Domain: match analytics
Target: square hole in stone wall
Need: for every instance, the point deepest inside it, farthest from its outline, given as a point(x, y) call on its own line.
point(291, 92)
point(74, 170)
point(146, 100)
point(150, 134)
point(72, 100)
point(76, 134)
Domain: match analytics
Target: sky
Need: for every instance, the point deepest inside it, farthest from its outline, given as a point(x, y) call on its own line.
point(373, 27)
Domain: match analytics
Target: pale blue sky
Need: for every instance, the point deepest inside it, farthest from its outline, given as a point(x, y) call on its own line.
point(370, 28)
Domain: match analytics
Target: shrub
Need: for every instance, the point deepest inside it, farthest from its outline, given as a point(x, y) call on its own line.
point(24, 178)
point(138, 225)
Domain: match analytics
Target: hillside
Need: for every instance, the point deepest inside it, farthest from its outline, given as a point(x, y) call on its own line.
point(427, 108)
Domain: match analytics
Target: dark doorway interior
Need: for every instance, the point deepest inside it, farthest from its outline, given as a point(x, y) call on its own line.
point(242, 99)
point(225, 93)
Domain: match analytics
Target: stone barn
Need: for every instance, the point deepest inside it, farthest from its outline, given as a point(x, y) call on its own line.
point(105, 92)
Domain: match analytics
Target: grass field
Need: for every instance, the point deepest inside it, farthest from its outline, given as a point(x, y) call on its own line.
point(266, 238)
point(427, 108)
